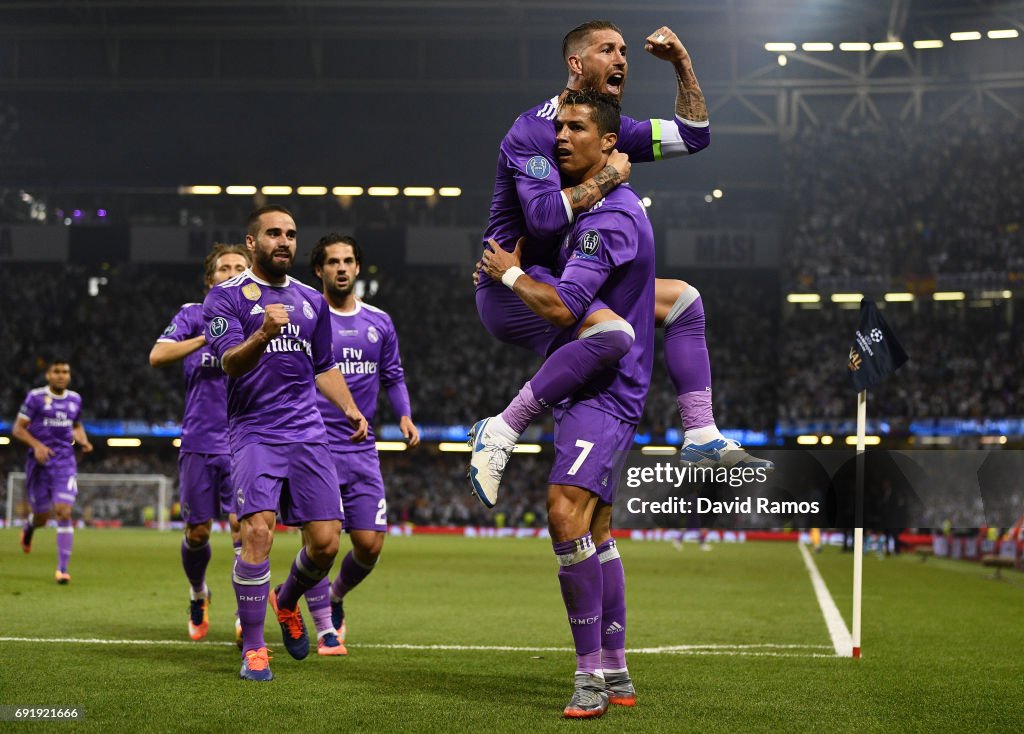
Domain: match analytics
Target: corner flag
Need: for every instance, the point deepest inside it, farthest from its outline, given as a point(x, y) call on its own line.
point(876, 353)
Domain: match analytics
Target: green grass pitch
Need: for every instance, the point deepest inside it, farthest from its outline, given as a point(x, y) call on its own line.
point(942, 642)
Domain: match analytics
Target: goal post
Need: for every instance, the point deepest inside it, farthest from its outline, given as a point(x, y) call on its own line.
point(127, 498)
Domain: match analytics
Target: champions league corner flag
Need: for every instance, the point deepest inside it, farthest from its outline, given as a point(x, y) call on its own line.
point(874, 356)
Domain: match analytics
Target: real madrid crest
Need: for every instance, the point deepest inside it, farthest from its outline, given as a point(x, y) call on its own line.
point(372, 335)
point(252, 292)
point(307, 310)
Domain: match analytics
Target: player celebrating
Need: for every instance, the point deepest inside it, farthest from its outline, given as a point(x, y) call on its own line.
point(47, 421)
point(529, 202)
point(609, 254)
point(204, 464)
point(272, 335)
point(366, 348)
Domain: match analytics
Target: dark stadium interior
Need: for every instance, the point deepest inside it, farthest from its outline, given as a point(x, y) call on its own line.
point(875, 173)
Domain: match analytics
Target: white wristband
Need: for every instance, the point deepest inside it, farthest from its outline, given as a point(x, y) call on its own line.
point(511, 275)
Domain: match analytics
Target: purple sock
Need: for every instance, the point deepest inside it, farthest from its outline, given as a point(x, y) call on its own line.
point(252, 586)
point(237, 545)
point(195, 561)
point(687, 360)
point(304, 576)
point(319, 601)
point(567, 369)
point(65, 539)
point(352, 572)
point(613, 608)
point(579, 575)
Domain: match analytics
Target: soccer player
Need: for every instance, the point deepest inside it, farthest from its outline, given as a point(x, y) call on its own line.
point(608, 255)
point(204, 464)
point(272, 335)
point(366, 348)
point(529, 201)
point(48, 421)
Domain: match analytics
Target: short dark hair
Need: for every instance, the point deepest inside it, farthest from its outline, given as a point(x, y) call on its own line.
point(579, 35)
point(56, 361)
point(252, 224)
point(604, 108)
point(319, 254)
point(219, 249)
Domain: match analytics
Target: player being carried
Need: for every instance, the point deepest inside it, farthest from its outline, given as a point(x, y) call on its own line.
point(204, 464)
point(49, 421)
point(366, 349)
point(272, 335)
point(607, 263)
point(529, 201)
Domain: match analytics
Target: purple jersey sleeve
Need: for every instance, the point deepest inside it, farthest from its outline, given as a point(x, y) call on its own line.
point(604, 240)
point(529, 150)
point(653, 140)
point(322, 341)
point(392, 376)
point(223, 329)
point(186, 324)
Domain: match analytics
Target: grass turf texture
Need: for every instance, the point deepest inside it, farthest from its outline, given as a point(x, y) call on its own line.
point(942, 642)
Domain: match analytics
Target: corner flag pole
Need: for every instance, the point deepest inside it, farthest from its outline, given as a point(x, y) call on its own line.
point(858, 531)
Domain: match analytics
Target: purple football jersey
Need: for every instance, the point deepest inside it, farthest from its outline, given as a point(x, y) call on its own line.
point(609, 254)
point(366, 348)
point(51, 419)
point(274, 403)
point(527, 199)
point(204, 428)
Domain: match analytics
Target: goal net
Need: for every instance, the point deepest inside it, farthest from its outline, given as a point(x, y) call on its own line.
point(119, 499)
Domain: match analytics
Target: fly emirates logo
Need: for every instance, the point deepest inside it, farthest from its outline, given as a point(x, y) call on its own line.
point(289, 340)
point(352, 363)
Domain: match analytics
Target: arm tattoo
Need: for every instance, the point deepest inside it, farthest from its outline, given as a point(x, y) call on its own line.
point(589, 192)
point(690, 104)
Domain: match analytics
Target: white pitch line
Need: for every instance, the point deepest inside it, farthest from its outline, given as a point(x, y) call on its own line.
point(842, 641)
point(755, 650)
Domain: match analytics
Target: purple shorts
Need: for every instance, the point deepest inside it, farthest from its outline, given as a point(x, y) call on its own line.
point(509, 320)
point(50, 483)
point(362, 490)
point(205, 487)
point(591, 448)
point(296, 481)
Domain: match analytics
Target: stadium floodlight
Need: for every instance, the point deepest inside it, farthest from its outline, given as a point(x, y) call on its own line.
point(176, 443)
point(658, 450)
point(934, 440)
point(5, 441)
point(803, 298)
point(276, 191)
point(418, 191)
point(899, 297)
point(888, 46)
point(392, 445)
point(311, 190)
point(854, 46)
point(783, 60)
point(200, 190)
point(124, 443)
point(454, 448)
point(1003, 33)
point(780, 47)
point(718, 193)
point(996, 294)
point(240, 190)
point(807, 440)
point(965, 36)
point(868, 440)
point(450, 191)
point(817, 46)
point(989, 440)
point(929, 43)
point(347, 191)
point(647, 201)
point(826, 440)
point(847, 297)
point(949, 296)
point(382, 191)
point(527, 448)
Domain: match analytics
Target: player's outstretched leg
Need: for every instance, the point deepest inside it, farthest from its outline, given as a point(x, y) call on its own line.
point(27, 531)
point(619, 685)
point(252, 585)
point(352, 572)
point(580, 577)
point(565, 371)
point(65, 540)
point(195, 557)
point(304, 575)
point(319, 601)
point(689, 367)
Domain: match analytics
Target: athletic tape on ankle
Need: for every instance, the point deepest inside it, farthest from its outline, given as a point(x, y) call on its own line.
point(511, 275)
point(685, 300)
point(613, 325)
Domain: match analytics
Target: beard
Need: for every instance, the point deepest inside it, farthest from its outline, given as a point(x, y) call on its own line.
point(267, 264)
point(339, 293)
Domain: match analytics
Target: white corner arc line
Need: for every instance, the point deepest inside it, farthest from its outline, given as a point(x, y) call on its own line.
point(842, 641)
